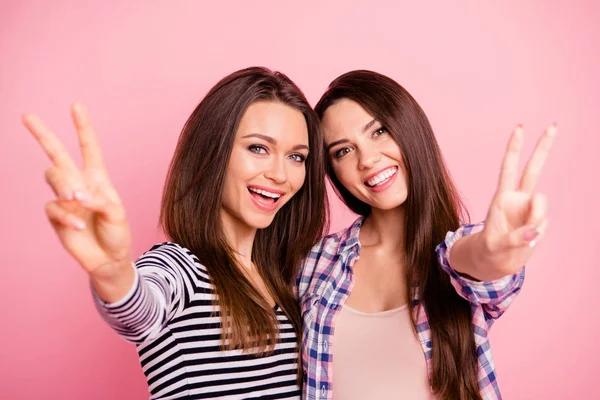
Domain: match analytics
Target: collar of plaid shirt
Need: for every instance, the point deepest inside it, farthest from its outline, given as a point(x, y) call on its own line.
point(326, 280)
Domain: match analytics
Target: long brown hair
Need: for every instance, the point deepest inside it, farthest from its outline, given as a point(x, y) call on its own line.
point(433, 207)
point(192, 198)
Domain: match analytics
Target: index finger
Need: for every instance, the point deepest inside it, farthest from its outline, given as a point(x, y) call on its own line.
point(88, 141)
point(538, 158)
point(510, 163)
point(53, 147)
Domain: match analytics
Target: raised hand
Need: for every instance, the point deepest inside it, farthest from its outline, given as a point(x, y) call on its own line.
point(87, 214)
point(516, 220)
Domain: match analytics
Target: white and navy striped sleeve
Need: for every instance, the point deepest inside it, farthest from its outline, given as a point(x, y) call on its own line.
point(154, 297)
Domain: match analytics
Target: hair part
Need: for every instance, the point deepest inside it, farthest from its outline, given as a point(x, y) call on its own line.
point(433, 207)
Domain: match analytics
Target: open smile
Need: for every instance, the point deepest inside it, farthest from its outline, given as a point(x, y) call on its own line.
point(264, 198)
point(382, 177)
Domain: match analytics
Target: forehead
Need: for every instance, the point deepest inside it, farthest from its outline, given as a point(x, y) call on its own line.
point(274, 119)
point(343, 118)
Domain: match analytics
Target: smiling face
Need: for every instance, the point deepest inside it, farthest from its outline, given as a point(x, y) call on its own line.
point(267, 164)
point(364, 156)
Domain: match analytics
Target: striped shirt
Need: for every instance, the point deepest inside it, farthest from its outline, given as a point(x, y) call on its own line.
point(326, 280)
point(172, 315)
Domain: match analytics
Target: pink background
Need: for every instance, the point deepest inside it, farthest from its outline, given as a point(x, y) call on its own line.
point(477, 68)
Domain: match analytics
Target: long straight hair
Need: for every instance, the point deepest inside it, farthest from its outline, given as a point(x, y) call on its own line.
point(433, 207)
point(192, 200)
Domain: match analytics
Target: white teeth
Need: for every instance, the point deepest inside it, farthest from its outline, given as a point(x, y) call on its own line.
point(265, 193)
point(382, 177)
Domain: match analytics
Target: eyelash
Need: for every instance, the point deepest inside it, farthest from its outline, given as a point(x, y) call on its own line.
point(378, 132)
point(255, 148)
point(301, 157)
point(338, 153)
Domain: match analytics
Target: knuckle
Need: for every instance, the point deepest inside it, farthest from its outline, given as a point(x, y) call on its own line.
point(50, 174)
point(53, 212)
point(48, 207)
point(489, 244)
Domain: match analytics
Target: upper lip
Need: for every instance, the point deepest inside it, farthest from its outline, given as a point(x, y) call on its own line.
point(378, 172)
point(267, 189)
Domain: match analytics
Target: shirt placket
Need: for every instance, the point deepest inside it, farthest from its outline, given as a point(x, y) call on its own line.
point(329, 320)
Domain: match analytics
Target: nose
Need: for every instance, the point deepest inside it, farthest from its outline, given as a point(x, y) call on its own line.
point(276, 171)
point(368, 157)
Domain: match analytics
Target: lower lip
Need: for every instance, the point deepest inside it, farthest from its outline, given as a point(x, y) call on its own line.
point(264, 206)
point(386, 185)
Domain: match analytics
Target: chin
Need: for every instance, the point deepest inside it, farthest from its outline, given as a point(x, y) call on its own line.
point(389, 205)
point(260, 221)
point(386, 207)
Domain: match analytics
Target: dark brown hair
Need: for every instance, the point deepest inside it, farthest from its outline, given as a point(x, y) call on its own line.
point(433, 207)
point(192, 198)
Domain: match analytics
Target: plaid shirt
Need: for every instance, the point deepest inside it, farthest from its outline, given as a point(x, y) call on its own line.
point(326, 280)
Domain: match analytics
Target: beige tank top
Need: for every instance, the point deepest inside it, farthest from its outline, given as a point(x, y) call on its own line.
point(377, 356)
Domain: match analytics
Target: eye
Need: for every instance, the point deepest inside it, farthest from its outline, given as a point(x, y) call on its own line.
point(341, 152)
point(298, 157)
point(258, 149)
point(381, 131)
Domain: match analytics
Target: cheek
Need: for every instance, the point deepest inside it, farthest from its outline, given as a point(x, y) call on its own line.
point(390, 148)
point(404, 173)
point(297, 177)
point(242, 165)
point(246, 163)
point(236, 175)
point(345, 173)
point(229, 188)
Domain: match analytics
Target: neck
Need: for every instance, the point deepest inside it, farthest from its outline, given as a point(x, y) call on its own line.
point(384, 228)
point(240, 237)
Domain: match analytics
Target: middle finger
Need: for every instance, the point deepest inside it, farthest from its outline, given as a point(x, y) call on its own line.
point(537, 160)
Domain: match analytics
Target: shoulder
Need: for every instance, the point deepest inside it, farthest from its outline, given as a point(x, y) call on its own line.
point(172, 258)
point(327, 250)
point(167, 251)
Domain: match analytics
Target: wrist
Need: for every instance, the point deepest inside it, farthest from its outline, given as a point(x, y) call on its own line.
point(490, 261)
point(473, 257)
point(483, 254)
point(111, 273)
point(113, 281)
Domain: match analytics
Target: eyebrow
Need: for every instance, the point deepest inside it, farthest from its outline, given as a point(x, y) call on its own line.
point(330, 145)
point(271, 140)
point(369, 125)
point(366, 128)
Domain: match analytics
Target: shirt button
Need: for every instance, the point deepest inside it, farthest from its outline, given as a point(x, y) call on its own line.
point(323, 391)
point(334, 307)
point(325, 346)
point(429, 343)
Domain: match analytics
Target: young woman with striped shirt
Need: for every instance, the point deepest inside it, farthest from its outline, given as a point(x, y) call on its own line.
point(385, 317)
point(243, 203)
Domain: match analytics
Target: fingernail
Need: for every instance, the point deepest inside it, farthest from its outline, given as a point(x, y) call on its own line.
point(533, 243)
point(79, 224)
point(82, 196)
point(520, 126)
point(66, 195)
point(531, 234)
